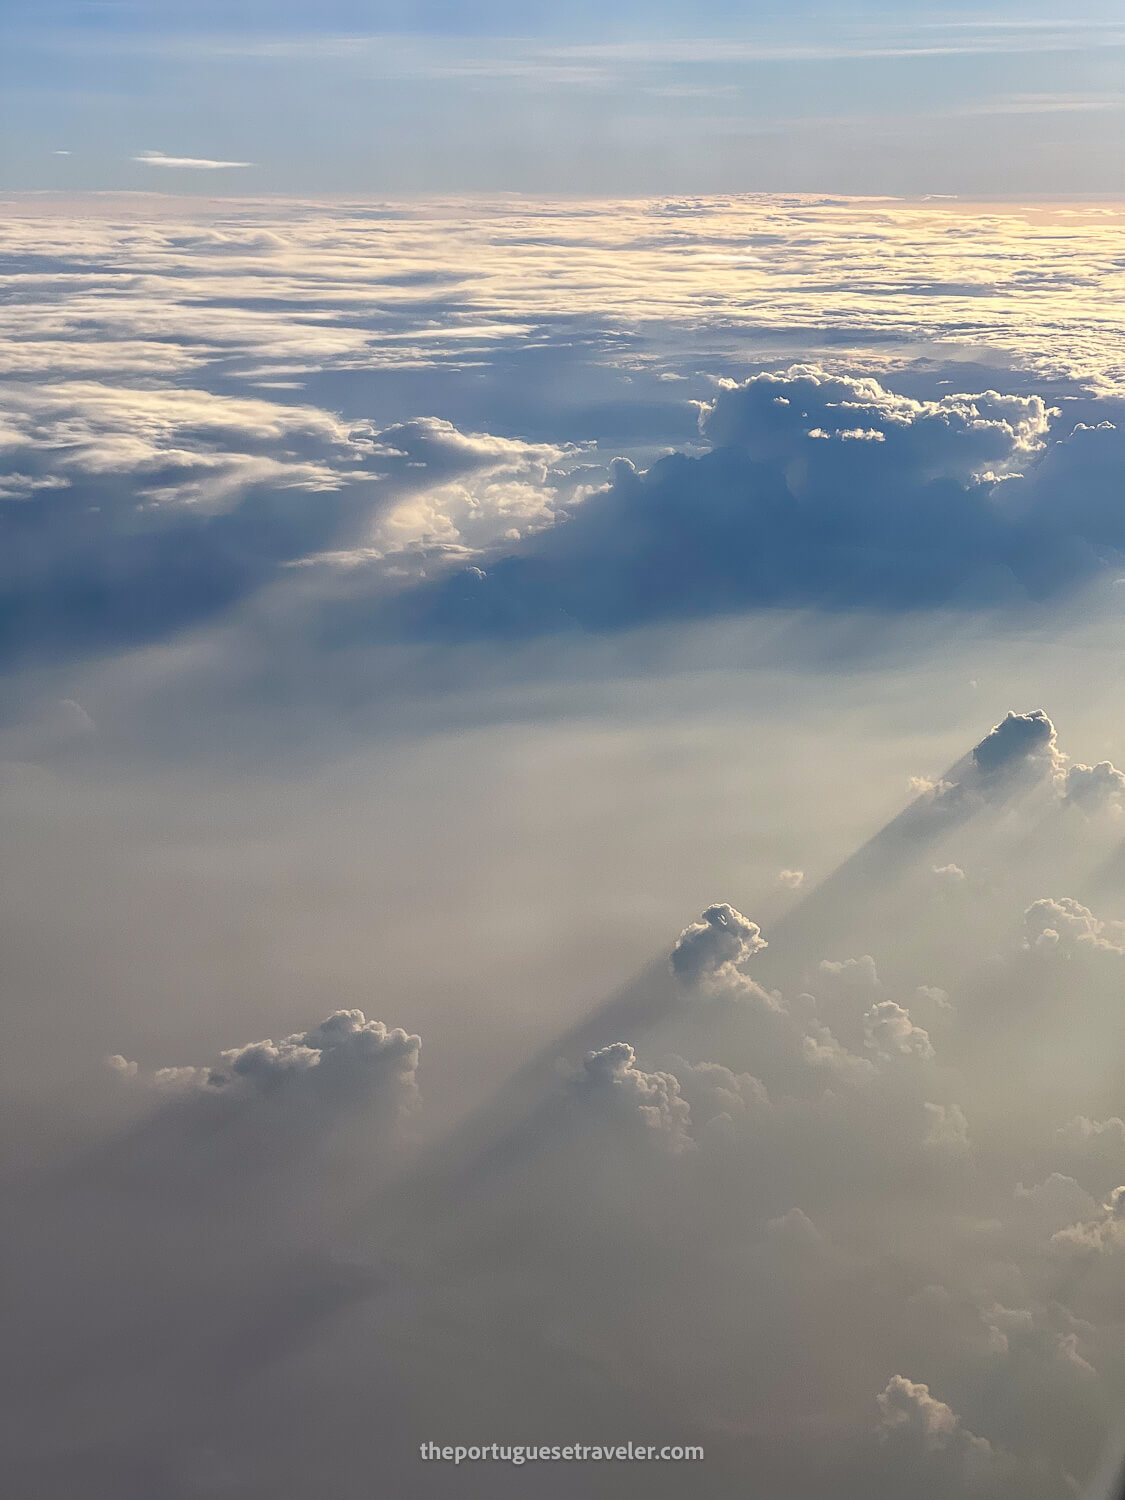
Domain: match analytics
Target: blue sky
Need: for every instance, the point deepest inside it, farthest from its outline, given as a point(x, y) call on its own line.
point(344, 98)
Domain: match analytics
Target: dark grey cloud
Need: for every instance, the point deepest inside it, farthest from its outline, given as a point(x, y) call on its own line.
point(816, 490)
point(1016, 740)
point(721, 937)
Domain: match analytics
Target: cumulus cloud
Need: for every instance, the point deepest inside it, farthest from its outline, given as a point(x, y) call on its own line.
point(1084, 1132)
point(822, 1050)
point(787, 508)
point(1067, 927)
point(722, 938)
point(947, 1129)
point(1017, 741)
point(653, 1097)
point(1092, 787)
point(957, 436)
point(907, 1409)
point(889, 1031)
point(1101, 1233)
point(344, 1059)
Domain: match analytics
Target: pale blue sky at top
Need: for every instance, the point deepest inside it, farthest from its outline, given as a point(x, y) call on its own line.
point(394, 97)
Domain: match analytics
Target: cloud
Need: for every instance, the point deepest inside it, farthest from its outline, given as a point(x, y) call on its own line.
point(927, 1435)
point(194, 163)
point(1092, 787)
point(889, 1031)
point(1084, 1132)
point(473, 492)
point(972, 496)
point(143, 509)
point(722, 938)
point(1018, 740)
point(344, 1058)
point(788, 508)
point(908, 1408)
point(654, 1098)
point(739, 1223)
point(947, 1129)
point(739, 1226)
point(219, 1203)
point(1066, 927)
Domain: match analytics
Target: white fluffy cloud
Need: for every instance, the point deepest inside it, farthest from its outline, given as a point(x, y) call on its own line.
point(1067, 927)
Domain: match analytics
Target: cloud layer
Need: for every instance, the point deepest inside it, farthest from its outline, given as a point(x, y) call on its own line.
point(817, 490)
point(849, 1214)
point(193, 403)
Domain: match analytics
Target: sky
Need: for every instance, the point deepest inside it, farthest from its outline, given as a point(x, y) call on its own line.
point(562, 772)
point(406, 98)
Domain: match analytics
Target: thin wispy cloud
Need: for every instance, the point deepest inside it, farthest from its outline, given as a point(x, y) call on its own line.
point(192, 163)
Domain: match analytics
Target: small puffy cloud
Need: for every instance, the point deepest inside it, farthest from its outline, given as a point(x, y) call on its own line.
point(907, 1408)
point(1093, 787)
point(717, 1096)
point(1018, 741)
point(951, 875)
point(1098, 1233)
point(343, 1059)
point(795, 1231)
point(611, 1073)
point(947, 1129)
point(1052, 1205)
point(889, 1031)
point(1086, 1134)
point(722, 938)
point(934, 998)
point(1066, 927)
point(926, 786)
point(791, 879)
point(931, 1444)
point(820, 1049)
point(847, 976)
